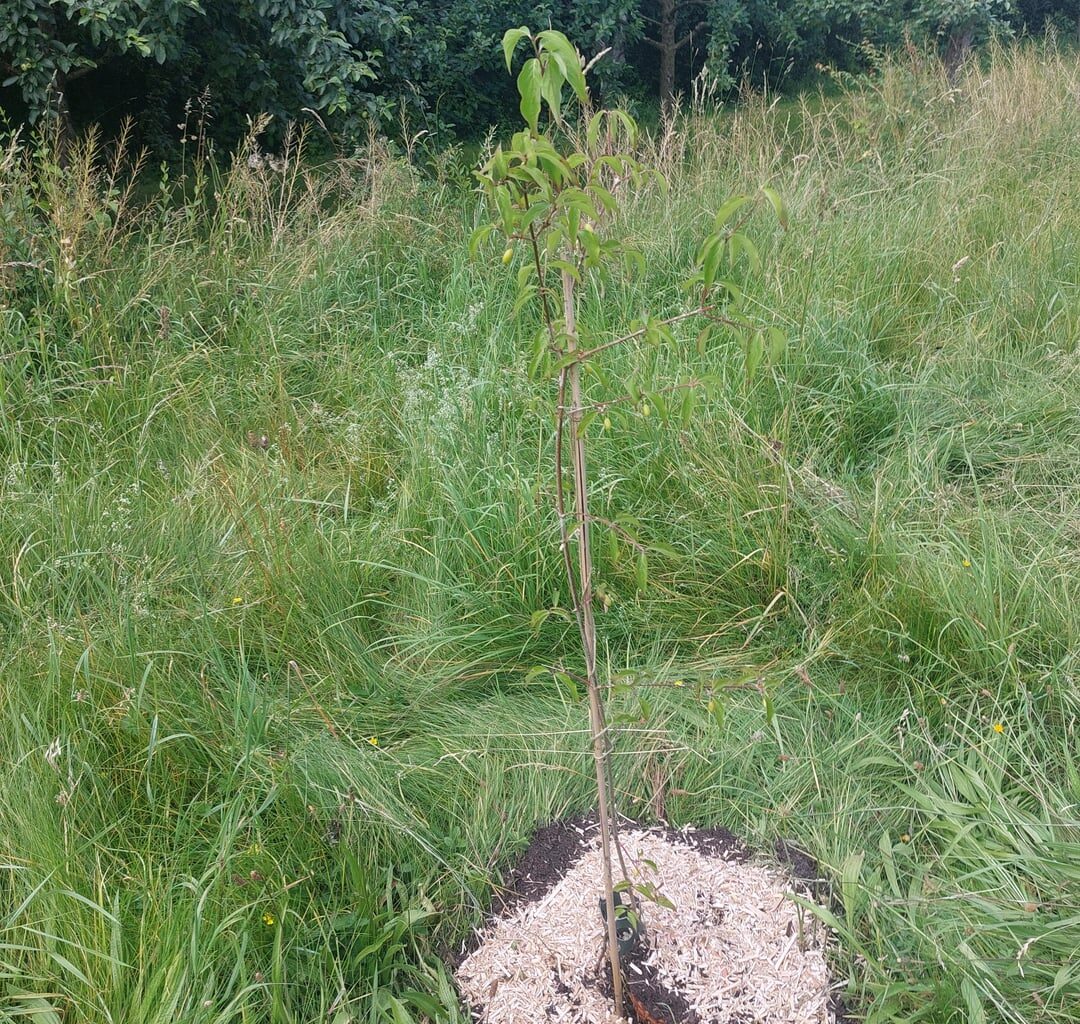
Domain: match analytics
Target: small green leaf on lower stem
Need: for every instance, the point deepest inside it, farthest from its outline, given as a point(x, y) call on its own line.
point(777, 343)
point(641, 571)
point(702, 338)
point(755, 348)
point(568, 683)
point(613, 545)
point(686, 408)
point(777, 204)
point(583, 423)
point(716, 709)
point(523, 297)
point(476, 239)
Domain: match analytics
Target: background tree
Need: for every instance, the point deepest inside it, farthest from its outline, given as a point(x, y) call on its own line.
point(671, 37)
point(321, 51)
point(358, 62)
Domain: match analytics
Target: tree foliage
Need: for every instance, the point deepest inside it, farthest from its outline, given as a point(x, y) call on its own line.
point(359, 60)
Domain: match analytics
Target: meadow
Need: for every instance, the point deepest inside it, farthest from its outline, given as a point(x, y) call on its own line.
point(276, 522)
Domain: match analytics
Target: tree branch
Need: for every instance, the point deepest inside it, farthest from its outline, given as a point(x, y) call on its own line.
point(689, 35)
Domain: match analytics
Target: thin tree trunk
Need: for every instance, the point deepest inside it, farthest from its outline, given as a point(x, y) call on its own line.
point(958, 51)
point(587, 625)
point(667, 47)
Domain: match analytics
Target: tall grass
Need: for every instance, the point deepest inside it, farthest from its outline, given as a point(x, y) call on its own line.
point(275, 523)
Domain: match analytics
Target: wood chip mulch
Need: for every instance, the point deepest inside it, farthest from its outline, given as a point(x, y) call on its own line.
point(735, 948)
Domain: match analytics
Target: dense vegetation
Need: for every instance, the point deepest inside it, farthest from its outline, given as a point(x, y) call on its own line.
point(275, 535)
point(351, 63)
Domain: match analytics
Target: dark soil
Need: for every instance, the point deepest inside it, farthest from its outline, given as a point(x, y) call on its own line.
point(556, 847)
point(649, 1001)
point(803, 868)
point(554, 850)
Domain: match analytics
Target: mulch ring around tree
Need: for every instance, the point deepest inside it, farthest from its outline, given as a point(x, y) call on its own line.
point(725, 943)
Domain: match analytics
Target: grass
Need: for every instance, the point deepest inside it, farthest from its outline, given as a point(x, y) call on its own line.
point(276, 520)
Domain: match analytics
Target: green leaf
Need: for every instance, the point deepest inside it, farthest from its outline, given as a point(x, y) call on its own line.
point(850, 872)
point(629, 126)
point(716, 709)
point(561, 48)
point(523, 297)
point(777, 204)
point(607, 200)
point(738, 244)
point(686, 407)
point(529, 88)
point(612, 545)
point(641, 572)
point(477, 238)
point(976, 1012)
point(709, 259)
point(35, 1007)
point(507, 214)
point(777, 343)
point(703, 337)
point(728, 209)
point(511, 38)
point(569, 684)
point(755, 349)
point(537, 210)
point(551, 83)
point(592, 133)
point(569, 268)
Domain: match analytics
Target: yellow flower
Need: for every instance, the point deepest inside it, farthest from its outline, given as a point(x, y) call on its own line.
point(507, 256)
point(999, 728)
point(268, 919)
point(373, 740)
point(237, 600)
point(679, 682)
point(966, 563)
